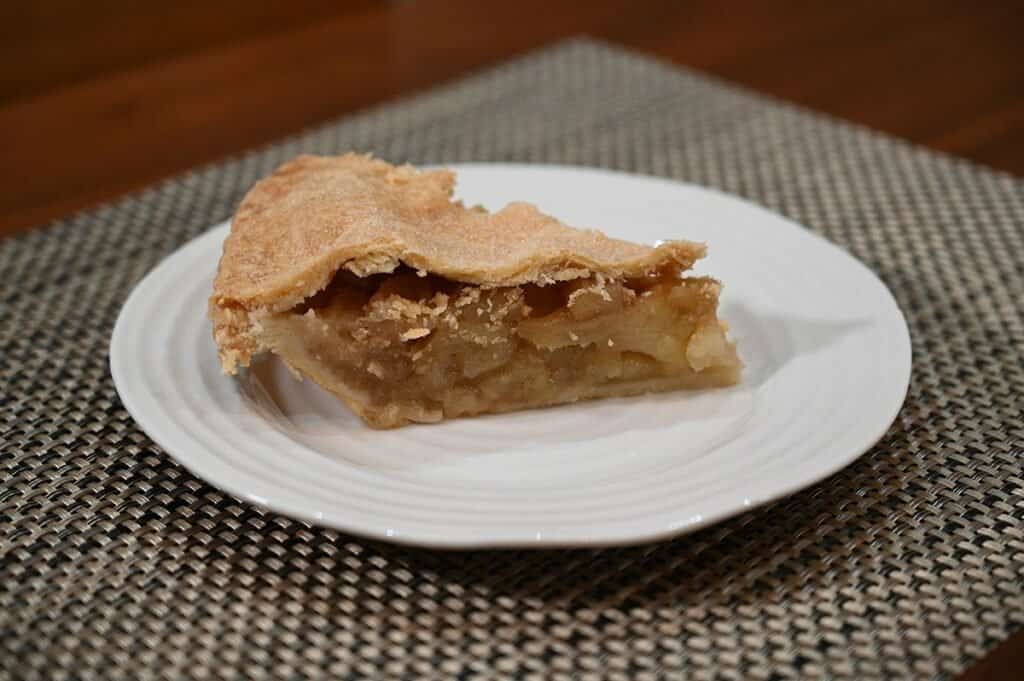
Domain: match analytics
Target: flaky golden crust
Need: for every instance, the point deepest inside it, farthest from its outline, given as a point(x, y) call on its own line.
point(317, 215)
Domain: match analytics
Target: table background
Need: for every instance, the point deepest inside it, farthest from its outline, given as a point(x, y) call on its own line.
point(99, 101)
point(100, 98)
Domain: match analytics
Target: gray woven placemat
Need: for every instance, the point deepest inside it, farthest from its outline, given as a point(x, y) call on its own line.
point(115, 563)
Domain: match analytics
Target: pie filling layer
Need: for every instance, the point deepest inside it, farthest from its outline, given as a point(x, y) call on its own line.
point(407, 347)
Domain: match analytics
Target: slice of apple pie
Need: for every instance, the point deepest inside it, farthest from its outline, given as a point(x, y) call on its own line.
point(410, 307)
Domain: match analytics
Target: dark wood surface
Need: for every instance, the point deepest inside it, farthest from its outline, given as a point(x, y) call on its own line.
point(98, 99)
point(101, 98)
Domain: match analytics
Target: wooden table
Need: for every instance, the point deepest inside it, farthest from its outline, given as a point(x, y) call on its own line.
point(99, 99)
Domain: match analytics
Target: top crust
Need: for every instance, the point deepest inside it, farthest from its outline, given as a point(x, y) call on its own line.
point(315, 215)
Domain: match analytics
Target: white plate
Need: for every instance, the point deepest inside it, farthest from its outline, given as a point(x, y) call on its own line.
point(826, 349)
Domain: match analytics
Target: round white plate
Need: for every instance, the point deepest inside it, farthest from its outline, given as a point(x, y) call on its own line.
point(827, 367)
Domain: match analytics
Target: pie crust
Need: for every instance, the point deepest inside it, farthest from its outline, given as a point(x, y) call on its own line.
point(410, 307)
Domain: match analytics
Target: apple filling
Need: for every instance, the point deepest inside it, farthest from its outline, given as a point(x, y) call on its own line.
point(407, 347)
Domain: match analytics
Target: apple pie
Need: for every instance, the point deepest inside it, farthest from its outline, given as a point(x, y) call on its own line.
point(410, 307)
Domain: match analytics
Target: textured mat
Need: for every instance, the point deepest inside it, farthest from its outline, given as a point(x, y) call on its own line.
point(115, 563)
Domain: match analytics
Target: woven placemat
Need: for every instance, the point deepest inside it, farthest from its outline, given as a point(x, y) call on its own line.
point(115, 563)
